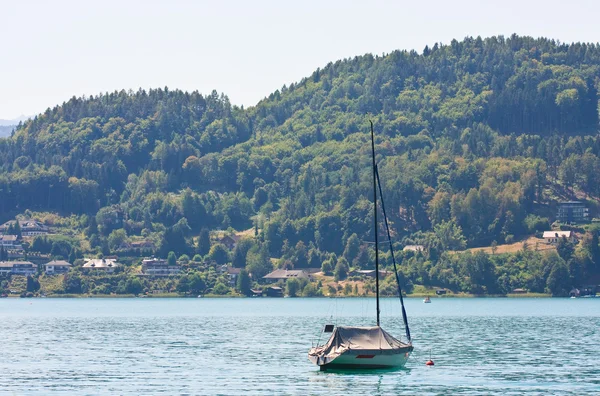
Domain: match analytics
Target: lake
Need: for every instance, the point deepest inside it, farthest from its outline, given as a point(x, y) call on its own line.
point(503, 346)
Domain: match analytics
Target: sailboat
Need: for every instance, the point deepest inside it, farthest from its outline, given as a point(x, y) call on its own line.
point(351, 347)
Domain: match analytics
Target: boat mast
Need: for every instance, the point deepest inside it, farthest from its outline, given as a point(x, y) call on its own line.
point(375, 229)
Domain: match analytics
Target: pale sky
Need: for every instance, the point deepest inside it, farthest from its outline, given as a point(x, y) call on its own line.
point(53, 50)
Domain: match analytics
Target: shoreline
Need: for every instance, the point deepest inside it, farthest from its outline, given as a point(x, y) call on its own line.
point(215, 296)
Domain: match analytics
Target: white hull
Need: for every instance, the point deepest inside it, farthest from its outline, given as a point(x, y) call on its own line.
point(366, 360)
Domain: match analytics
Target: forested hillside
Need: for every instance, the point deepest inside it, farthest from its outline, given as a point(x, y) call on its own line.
point(476, 142)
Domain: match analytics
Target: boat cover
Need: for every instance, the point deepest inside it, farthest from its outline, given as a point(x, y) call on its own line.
point(347, 339)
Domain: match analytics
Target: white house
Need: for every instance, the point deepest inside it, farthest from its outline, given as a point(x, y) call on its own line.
point(28, 227)
point(102, 264)
point(159, 267)
point(57, 267)
point(553, 237)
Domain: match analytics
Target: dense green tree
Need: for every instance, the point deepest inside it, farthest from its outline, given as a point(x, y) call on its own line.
point(352, 248)
point(240, 251)
point(134, 285)
point(116, 239)
point(558, 280)
point(72, 283)
point(196, 283)
point(220, 289)
point(33, 284)
point(204, 242)
point(218, 253)
point(171, 258)
point(292, 286)
point(450, 236)
point(565, 248)
point(341, 269)
point(183, 284)
point(243, 282)
point(258, 262)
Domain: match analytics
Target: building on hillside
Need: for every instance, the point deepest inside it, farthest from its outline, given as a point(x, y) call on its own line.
point(10, 242)
point(159, 267)
point(233, 274)
point(553, 237)
point(104, 264)
point(28, 227)
point(230, 241)
point(572, 212)
point(413, 248)
point(57, 267)
point(17, 268)
point(6, 268)
point(441, 292)
point(283, 274)
point(519, 291)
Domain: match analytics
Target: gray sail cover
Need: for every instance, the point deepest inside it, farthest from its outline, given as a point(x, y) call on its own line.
point(360, 340)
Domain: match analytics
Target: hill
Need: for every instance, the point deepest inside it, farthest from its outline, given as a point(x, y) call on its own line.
point(476, 141)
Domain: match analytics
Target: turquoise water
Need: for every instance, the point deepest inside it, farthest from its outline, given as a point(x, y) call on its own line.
point(258, 346)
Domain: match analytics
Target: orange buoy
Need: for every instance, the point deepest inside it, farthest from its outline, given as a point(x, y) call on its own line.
point(429, 362)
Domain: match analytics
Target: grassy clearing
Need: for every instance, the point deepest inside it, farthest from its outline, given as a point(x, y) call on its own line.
point(532, 243)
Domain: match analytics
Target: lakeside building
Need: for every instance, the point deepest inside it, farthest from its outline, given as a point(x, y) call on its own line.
point(57, 267)
point(283, 274)
point(159, 267)
point(104, 264)
point(231, 272)
point(572, 212)
point(28, 227)
point(273, 291)
point(17, 268)
point(553, 237)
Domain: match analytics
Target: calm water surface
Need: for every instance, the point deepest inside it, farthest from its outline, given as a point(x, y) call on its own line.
point(259, 346)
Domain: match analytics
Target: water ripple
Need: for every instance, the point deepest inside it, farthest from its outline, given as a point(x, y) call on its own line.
point(259, 346)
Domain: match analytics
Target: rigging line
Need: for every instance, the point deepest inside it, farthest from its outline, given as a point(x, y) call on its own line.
point(387, 227)
point(375, 230)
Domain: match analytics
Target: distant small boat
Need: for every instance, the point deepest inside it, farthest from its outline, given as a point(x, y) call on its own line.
point(427, 300)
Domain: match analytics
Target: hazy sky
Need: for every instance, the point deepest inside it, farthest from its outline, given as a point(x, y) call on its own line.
point(52, 50)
